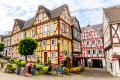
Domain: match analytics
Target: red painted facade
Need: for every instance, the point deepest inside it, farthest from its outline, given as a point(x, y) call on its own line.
point(91, 44)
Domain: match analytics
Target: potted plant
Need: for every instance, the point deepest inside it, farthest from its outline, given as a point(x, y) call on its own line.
point(33, 68)
point(18, 67)
point(38, 61)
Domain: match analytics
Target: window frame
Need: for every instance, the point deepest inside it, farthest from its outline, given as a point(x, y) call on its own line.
point(66, 15)
point(69, 30)
point(51, 25)
point(89, 35)
point(28, 33)
point(53, 52)
point(42, 43)
point(44, 29)
point(63, 27)
point(40, 16)
point(32, 33)
point(99, 40)
point(94, 50)
point(101, 51)
point(92, 42)
point(54, 41)
point(89, 50)
point(88, 43)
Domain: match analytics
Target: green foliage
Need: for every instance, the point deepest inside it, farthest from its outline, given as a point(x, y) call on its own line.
point(48, 61)
point(6, 57)
point(27, 46)
point(34, 65)
point(38, 61)
point(1, 46)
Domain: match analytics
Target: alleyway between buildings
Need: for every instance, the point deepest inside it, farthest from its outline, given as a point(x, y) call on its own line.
point(89, 74)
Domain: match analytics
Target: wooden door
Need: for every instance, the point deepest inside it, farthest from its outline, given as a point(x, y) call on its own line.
point(6, 53)
point(45, 57)
point(68, 64)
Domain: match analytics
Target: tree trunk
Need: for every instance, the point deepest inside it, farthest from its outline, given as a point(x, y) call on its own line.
point(26, 58)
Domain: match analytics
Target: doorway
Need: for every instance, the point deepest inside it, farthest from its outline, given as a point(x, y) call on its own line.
point(45, 57)
point(97, 63)
point(68, 64)
point(75, 62)
point(85, 62)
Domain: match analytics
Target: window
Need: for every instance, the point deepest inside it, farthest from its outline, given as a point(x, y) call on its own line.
point(93, 51)
point(13, 38)
point(40, 16)
point(52, 55)
point(28, 33)
point(75, 33)
point(88, 43)
point(33, 56)
point(32, 33)
point(19, 36)
point(44, 43)
point(44, 29)
point(100, 51)
point(69, 31)
point(93, 42)
point(51, 27)
point(63, 27)
point(89, 34)
point(52, 41)
point(98, 42)
point(28, 57)
point(88, 51)
point(66, 15)
point(14, 48)
point(23, 35)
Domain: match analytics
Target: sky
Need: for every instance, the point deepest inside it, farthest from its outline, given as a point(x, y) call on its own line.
point(26, 9)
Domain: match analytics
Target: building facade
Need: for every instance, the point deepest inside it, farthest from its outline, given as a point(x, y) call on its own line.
point(111, 32)
point(53, 32)
point(7, 50)
point(92, 47)
point(76, 39)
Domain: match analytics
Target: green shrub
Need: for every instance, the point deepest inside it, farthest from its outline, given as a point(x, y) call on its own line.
point(38, 61)
point(6, 57)
point(48, 61)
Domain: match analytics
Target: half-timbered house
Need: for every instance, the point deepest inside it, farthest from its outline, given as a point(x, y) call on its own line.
point(6, 40)
point(111, 32)
point(52, 31)
point(76, 38)
point(92, 46)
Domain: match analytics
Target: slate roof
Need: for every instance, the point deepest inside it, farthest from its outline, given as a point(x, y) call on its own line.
point(98, 28)
point(112, 13)
point(20, 23)
point(50, 13)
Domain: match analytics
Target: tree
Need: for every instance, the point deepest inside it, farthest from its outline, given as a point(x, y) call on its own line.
point(1, 46)
point(26, 47)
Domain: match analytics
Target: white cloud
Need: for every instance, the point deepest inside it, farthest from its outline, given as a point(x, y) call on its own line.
point(26, 9)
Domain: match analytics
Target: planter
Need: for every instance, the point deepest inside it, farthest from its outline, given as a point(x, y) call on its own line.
point(33, 71)
point(18, 71)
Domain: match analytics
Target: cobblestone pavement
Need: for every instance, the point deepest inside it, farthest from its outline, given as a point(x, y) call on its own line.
point(89, 74)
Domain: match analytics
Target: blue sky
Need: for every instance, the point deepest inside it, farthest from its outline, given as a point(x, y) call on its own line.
point(26, 9)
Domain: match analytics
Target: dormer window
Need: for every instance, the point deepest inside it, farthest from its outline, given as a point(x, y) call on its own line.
point(66, 15)
point(40, 16)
